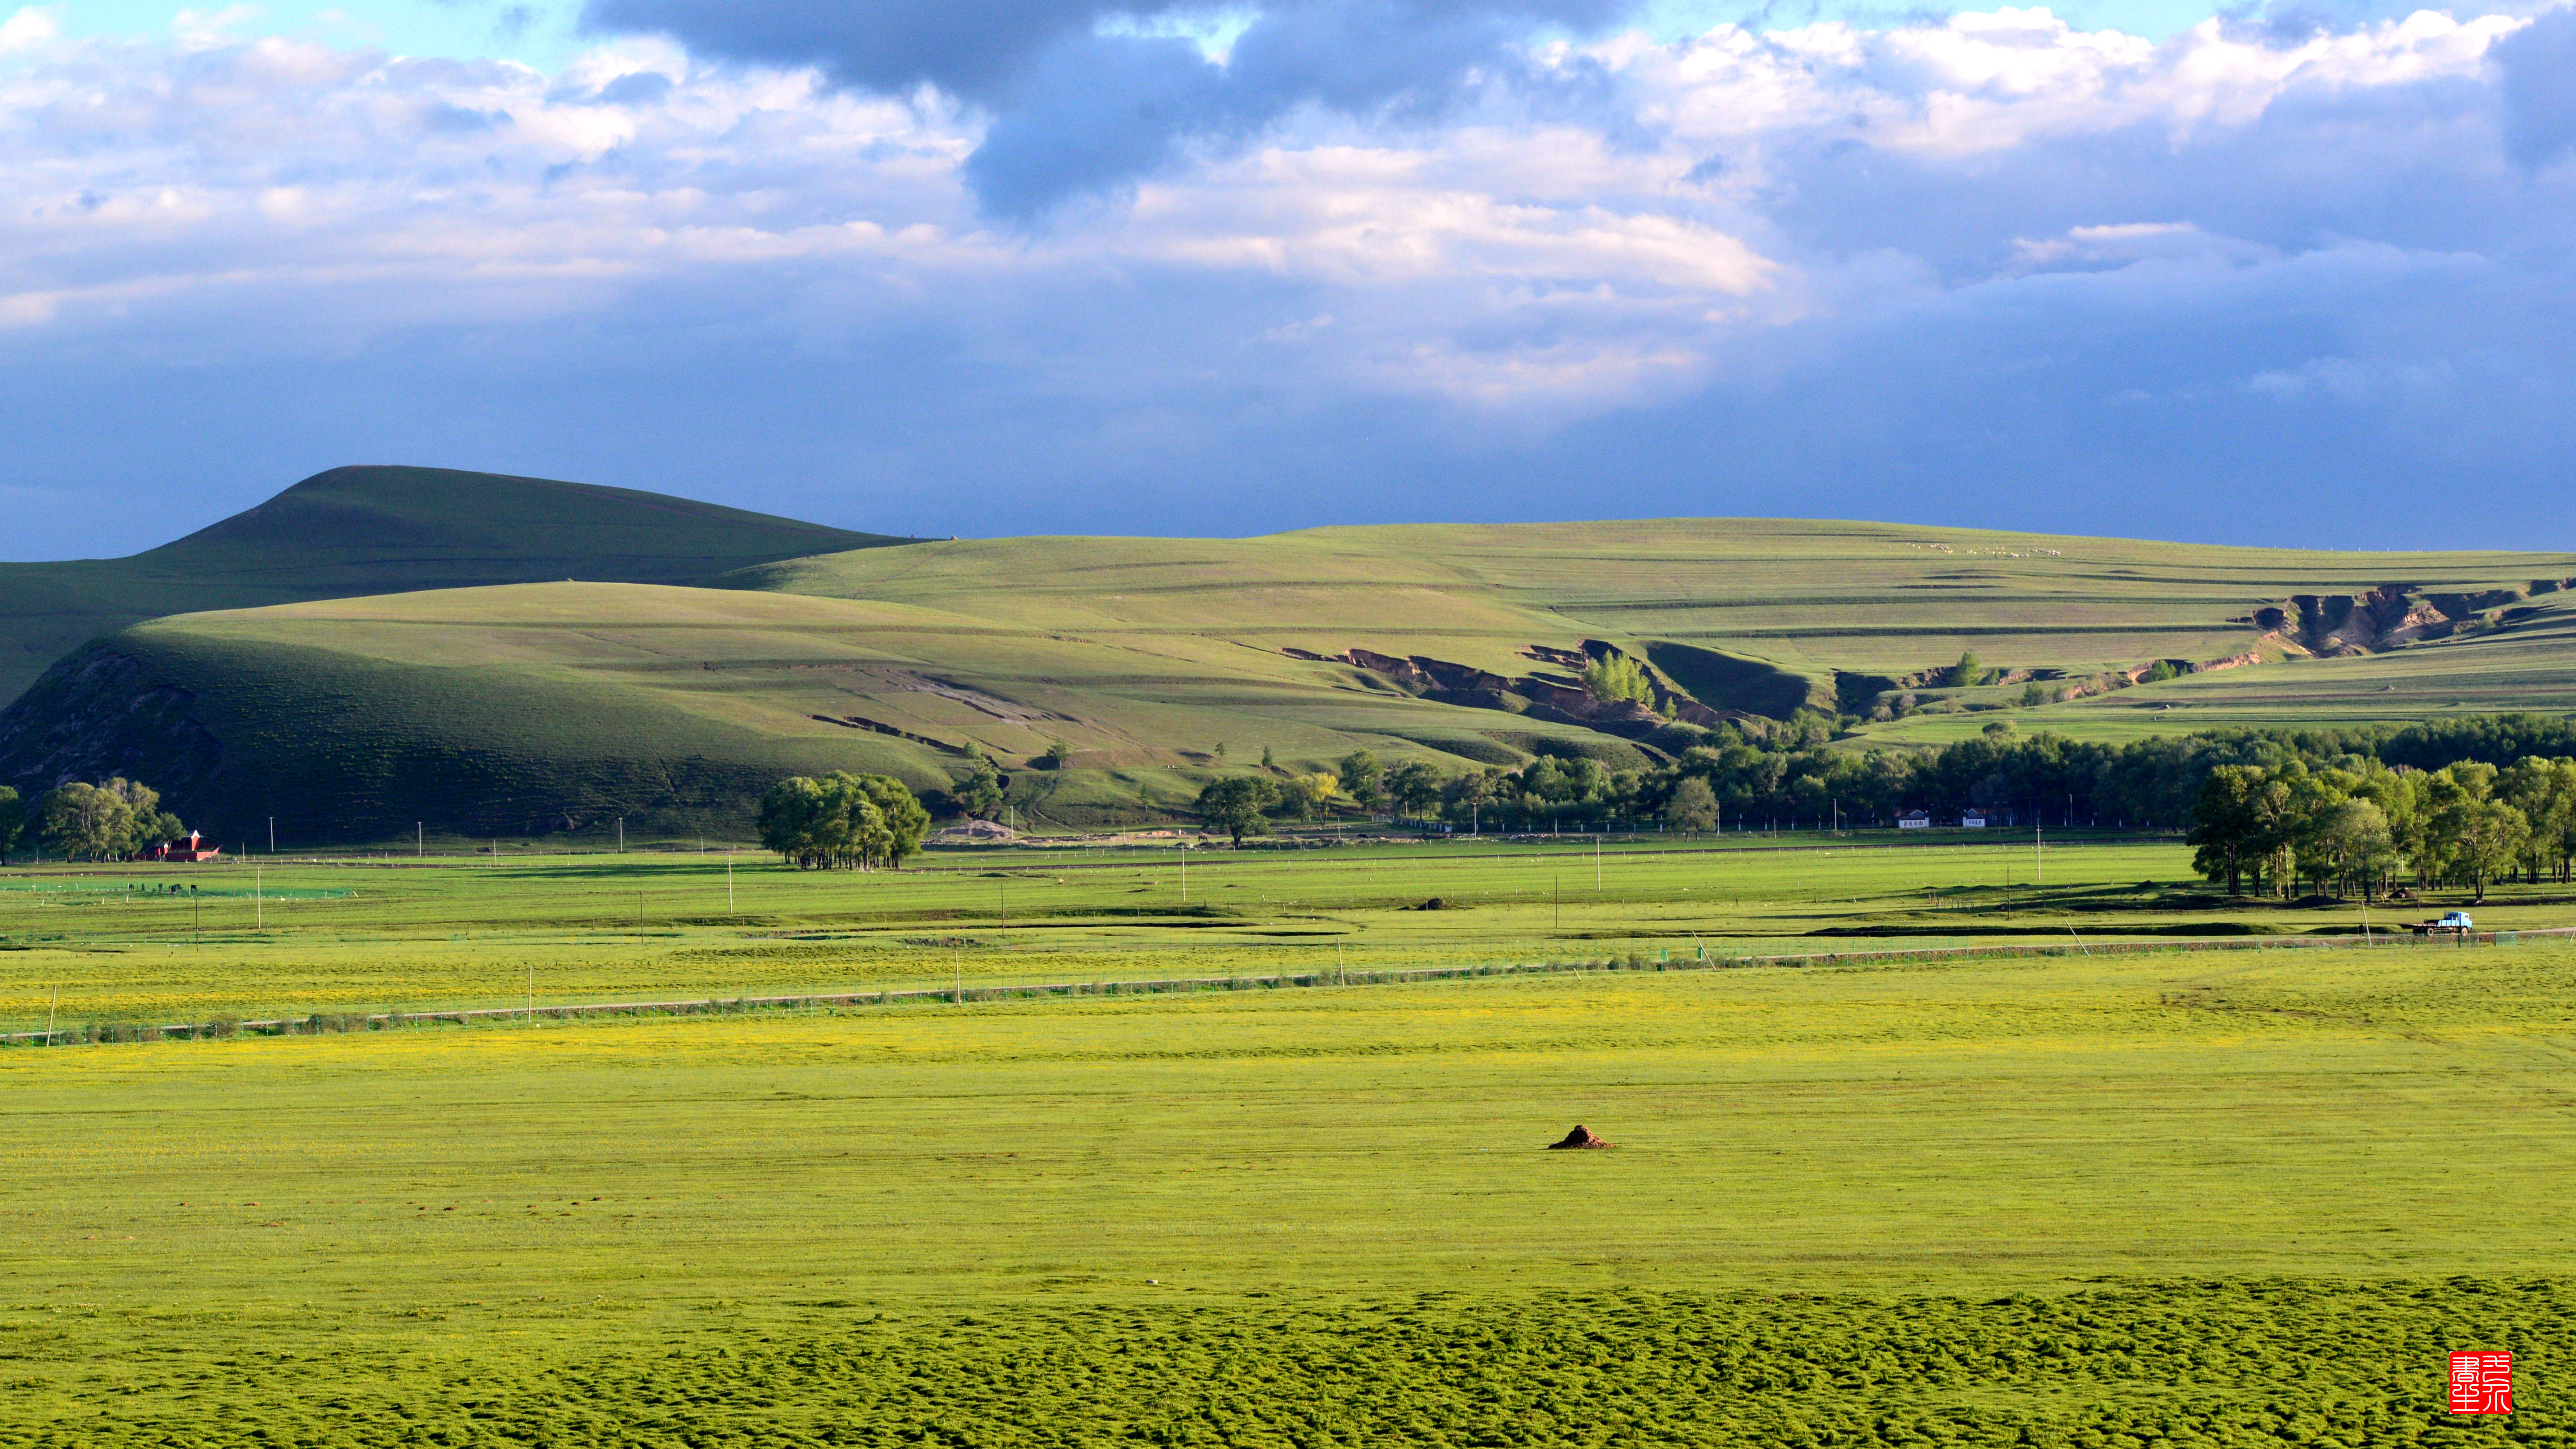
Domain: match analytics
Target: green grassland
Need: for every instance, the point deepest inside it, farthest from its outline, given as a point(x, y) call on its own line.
point(2236, 1196)
point(514, 709)
point(287, 937)
point(2162, 1199)
point(374, 530)
point(1812, 599)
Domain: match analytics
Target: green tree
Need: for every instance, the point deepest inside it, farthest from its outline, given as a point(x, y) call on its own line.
point(13, 820)
point(2232, 822)
point(979, 795)
point(104, 822)
point(1618, 678)
point(1269, 761)
point(2159, 672)
point(2545, 792)
point(901, 820)
point(1057, 755)
point(1237, 804)
point(1414, 786)
point(2355, 840)
point(1693, 806)
point(2452, 798)
point(1307, 796)
point(1966, 673)
point(1360, 773)
point(1464, 798)
point(842, 820)
point(2490, 837)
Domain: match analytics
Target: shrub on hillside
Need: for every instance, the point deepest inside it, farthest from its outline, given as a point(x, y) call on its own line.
point(1618, 678)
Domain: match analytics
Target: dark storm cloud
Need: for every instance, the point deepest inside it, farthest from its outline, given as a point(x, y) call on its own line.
point(1081, 102)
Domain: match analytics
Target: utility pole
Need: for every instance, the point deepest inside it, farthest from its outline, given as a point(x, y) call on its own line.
point(272, 835)
point(621, 835)
point(56, 1005)
point(419, 841)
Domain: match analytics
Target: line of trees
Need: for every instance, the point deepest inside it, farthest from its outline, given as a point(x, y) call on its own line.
point(842, 820)
point(1243, 805)
point(1792, 779)
point(1790, 776)
point(2358, 829)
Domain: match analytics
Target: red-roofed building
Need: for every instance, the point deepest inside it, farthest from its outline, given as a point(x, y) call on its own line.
point(192, 848)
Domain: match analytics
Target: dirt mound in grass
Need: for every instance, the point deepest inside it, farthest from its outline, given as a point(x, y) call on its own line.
point(1581, 1136)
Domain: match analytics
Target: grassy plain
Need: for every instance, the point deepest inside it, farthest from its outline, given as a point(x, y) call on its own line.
point(2240, 1199)
point(291, 936)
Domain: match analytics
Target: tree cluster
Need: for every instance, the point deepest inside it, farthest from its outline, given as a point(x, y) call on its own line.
point(1243, 805)
point(842, 820)
point(2361, 824)
point(97, 822)
point(1618, 678)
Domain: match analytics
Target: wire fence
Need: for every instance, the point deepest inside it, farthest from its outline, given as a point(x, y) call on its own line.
point(962, 994)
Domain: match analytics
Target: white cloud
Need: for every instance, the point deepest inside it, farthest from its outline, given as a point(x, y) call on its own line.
point(2233, 215)
point(29, 28)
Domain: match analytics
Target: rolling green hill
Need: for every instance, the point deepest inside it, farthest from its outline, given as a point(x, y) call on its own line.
point(522, 709)
point(354, 531)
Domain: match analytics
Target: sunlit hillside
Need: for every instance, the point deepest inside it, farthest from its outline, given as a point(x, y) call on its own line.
point(1157, 662)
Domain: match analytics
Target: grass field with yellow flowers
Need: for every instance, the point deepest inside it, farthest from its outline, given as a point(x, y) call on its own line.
point(2205, 1197)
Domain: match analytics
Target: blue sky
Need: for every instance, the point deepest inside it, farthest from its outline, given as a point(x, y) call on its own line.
point(1002, 266)
point(548, 33)
point(540, 34)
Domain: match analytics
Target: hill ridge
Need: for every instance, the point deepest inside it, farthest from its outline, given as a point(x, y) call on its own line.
point(367, 529)
point(1157, 664)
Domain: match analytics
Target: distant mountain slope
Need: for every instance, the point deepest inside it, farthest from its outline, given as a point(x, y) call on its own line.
point(523, 709)
point(377, 530)
point(1765, 616)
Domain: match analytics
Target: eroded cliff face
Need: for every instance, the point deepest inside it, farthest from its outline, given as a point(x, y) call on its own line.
point(2390, 616)
point(100, 713)
point(1561, 700)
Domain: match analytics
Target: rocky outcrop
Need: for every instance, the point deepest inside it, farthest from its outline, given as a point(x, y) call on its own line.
point(98, 713)
point(1558, 700)
point(2391, 616)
